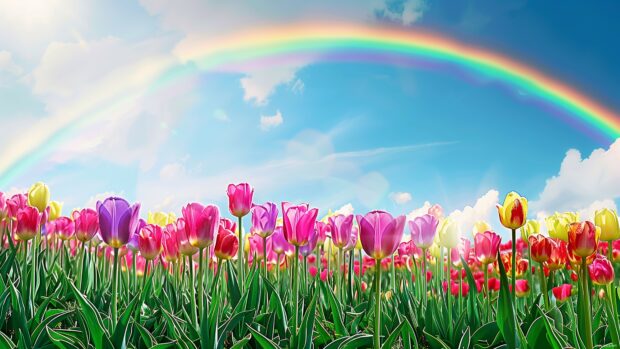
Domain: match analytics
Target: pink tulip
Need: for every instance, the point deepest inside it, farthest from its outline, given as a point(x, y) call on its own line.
point(177, 230)
point(298, 223)
point(486, 246)
point(15, 203)
point(239, 199)
point(380, 233)
point(227, 244)
point(256, 247)
point(29, 222)
point(64, 228)
point(341, 228)
point(201, 224)
point(149, 241)
point(601, 271)
point(322, 229)
point(4, 210)
point(171, 247)
point(279, 243)
point(86, 224)
point(423, 230)
point(228, 224)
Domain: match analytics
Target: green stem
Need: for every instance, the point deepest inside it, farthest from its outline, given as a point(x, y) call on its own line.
point(265, 255)
point(240, 265)
point(217, 275)
point(200, 284)
point(114, 288)
point(296, 290)
point(514, 267)
point(393, 270)
point(588, 311)
point(377, 332)
point(340, 275)
point(423, 277)
point(611, 315)
point(192, 288)
point(486, 292)
point(449, 291)
point(543, 287)
point(350, 277)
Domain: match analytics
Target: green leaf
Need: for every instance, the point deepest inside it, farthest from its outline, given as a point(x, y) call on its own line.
point(5, 342)
point(304, 336)
point(242, 342)
point(336, 310)
point(118, 338)
point(91, 315)
point(506, 318)
point(389, 342)
point(263, 342)
point(465, 340)
point(359, 340)
point(61, 340)
point(20, 312)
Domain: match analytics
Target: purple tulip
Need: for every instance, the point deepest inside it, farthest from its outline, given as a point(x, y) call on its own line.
point(239, 199)
point(322, 230)
point(279, 243)
point(380, 233)
point(423, 230)
point(201, 224)
point(299, 223)
point(308, 248)
point(341, 227)
point(118, 221)
point(264, 219)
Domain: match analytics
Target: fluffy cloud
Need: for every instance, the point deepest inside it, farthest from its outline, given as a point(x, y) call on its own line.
point(400, 198)
point(260, 84)
point(419, 211)
point(268, 122)
point(582, 180)
point(484, 209)
point(405, 12)
point(345, 210)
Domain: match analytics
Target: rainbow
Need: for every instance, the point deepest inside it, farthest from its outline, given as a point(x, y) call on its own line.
point(312, 42)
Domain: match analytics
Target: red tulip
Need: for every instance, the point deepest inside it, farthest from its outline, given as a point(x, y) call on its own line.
point(540, 247)
point(28, 223)
point(583, 238)
point(86, 224)
point(149, 241)
point(558, 256)
point(523, 288)
point(227, 244)
point(201, 223)
point(562, 292)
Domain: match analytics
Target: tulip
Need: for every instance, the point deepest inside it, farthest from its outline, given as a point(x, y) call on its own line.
point(55, 210)
point(4, 209)
point(540, 248)
point(298, 223)
point(513, 213)
point(117, 222)
point(558, 256)
point(562, 292)
point(480, 227)
point(341, 227)
point(264, 219)
point(449, 233)
point(39, 196)
point(530, 228)
point(607, 220)
point(279, 243)
point(522, 288)
point(558, 224)
point(15, 203)
point(161, 218)
point(170, 244)
point(28, 223)
point(423, 230)
point(583, 238)
point(601, 271)
point(486, 246)
point(201, 224)
point(226, 244)
point(64, 227)
point(150, 241)
point(86, 224)
point(436, 211)
point(380, 234)
point(239, 199)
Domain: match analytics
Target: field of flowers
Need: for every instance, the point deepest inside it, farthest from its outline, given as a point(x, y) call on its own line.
point(104, 277)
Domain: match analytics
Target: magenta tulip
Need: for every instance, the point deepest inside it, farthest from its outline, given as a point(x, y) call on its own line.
point(279, 243)
point(64, 228)
point(149, 241)
point(28, 223)
point(380, 233)
point(486, 246)
point(201, 224)
point(423, 230)
point(264, 219)
point(298, 223)
point(341, 228)
point(86, 224)
point(239, 199)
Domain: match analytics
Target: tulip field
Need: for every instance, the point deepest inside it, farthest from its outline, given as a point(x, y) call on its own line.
point(284, 275)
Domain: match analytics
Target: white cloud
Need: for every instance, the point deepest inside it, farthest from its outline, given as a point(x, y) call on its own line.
point(260, 84)
point(400, 198)
point(419, 211)
point(7, 64)
point(92, 201)
point(267, 122)
point(345, 210)
point(483, 210)
point(582, 180)
point(410, 11)
point(171, 171)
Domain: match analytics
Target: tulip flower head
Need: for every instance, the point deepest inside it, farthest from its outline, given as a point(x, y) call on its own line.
point(449, 233)
point(322, 230)
point(480, 227)
point(563, 292)
point(607, 221)
point(39, 196)
point(170, 246)
point(522, 288)
point(530, 228)
point(15, 203)
point(583, 238)
point(161, 218)
point(341, 229)
point(436, 211)
point(178, 231)
point(559, 254)
point(559, 223)
point(227, 244)
point(513, 213)
point(264, 219)
point(4, 210)
point(540, 247)
point(28, 223)
point(308, 248)
point(150, 241)
point(486, 246)
point(201, 224)
point(55, 210)
point(380, 233)
point(86, 224)
point(118, 221)
point(239, 199)
point(601, 271)
point(279, 243)
point(423, 230)
point(299, 223)
point(64, 227)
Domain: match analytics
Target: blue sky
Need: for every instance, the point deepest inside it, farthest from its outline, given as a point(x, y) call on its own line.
point(328, 133)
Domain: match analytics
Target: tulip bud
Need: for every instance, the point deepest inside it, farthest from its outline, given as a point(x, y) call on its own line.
point(240, 199)
point(39, 196)
point(55, 210)
point(563, 292)
point(449, 233)
point(523, 288)
point(601, 271)
point(540, 248)
point(480, 227)
point(583, 238)
point(513, 213)
point(226, 244)
point(607, 220)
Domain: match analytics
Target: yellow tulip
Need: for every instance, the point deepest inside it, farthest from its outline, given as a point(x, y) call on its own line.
point(449, 233)
point(530, 228)
point(55, 210)
point(513, 213)
point(39, 196)
point(480, 227)
point(559, 223)
point(607, 220)
point(435, 250)
point(161, 218)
